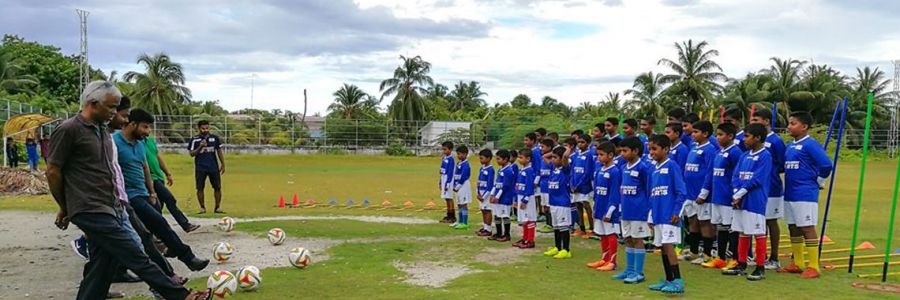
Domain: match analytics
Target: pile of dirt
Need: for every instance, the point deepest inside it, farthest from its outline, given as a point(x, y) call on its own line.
point(22, 182)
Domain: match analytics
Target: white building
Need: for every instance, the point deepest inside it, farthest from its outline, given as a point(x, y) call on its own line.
point(430, 134)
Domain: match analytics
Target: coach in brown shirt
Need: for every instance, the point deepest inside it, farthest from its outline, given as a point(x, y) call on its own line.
point(81, 181)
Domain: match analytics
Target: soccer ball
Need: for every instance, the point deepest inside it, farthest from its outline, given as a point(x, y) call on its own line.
point(226, 224)
point(222, 283)
point(299, 257)
point(222, 251)
point(248, 278)
point(276, 236)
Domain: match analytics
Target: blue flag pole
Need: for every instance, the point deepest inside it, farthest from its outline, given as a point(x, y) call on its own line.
point(837, 151)
point(837, 109)
point(774, 114)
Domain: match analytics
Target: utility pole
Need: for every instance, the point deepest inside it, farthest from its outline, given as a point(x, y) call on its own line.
point(894, 106)
point(252, 83)
point(84, 69)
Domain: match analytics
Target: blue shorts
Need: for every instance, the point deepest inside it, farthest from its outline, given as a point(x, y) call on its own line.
point(215, 179)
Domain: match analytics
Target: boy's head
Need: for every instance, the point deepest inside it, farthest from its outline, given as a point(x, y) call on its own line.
point(762, 117)
point(524, 157)
point(598, 130)
point(725, 134)
point(29, 140)
point(540, 133)
point(733, 116)
point(659, 147)
point(556, 156)
point(462, 152)
point(611, 125)
point(687, 122)
point(569, 142)
point(530, 139)
point(630, 127)
point(485, 156)
point(606, 151)
point(674, 131)
point(554, 137)
point(798, 123)
point(631, 148)
point(447, 147)
point(513, 154)
point(577, 132)
point(702, 131)
point(675, 114)
point(547, 145)
point(583, 141)
point(503, 157)
point(754, 135)
point(647, 124)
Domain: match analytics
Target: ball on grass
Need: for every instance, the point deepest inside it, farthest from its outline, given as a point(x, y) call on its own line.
point(248, 278)
point(222, 283)
point(226, 224)
point(276, 236)
point(299, 257)
point(222, 251)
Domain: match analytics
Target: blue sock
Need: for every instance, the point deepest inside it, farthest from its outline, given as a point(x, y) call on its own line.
point(629, 259)
point(464, 215)
point(574, 217)
point(639, 255)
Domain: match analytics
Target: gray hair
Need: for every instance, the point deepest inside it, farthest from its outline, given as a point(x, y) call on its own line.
point(96, 91)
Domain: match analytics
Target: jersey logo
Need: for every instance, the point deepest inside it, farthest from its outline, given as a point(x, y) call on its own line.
point(635, 173)
point(664, 171)
point(692, 167)
point(792, 165)
point(768, 145)
point(798, 147)
point(718, 172)
point(606, 175)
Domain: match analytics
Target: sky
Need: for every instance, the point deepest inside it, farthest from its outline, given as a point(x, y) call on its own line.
point(574, 51)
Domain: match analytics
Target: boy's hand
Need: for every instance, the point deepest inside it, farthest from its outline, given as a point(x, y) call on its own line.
point(494, 200)
point(606, 219)
point(736, 203)
point(675, 219)
point(480, 198)
point(546, 209)
point(522, 205)
point(650, 224)
point(700, 200)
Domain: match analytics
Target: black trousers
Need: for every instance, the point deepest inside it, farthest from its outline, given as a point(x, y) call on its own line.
point(157, 224)
point(110, 245)
point(166, 199)
point(147, 242)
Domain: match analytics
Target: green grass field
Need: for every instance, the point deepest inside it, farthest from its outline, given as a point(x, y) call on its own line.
point(253, 184)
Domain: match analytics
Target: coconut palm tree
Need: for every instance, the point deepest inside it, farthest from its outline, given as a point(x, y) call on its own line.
point(349, 102)
point(695, 76)
point(646, 92)
point(161, 87)
point(11, 78)
point(466, 96)
point(743, 94)
point(867, 80)
point(409, 82)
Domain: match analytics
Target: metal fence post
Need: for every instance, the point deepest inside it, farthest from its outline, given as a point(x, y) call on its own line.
point(191, 126)
point(225, 131)
point(292, 133)
point(356, 142)
point(259, 130)
point(325, 133)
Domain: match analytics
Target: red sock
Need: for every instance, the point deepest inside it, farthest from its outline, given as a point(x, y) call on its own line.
point(604, 247)
point(612, 244)
point(743, 248)
point(529, 231)
point(760, 250)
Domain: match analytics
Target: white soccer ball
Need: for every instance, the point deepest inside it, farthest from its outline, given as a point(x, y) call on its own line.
point(222, 283)
point(222, 251)
point(276, 236)
point(226, 224)
point(248, 278)
point(299, 257)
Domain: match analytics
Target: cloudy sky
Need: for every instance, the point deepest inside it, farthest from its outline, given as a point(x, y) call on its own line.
point(573, 50)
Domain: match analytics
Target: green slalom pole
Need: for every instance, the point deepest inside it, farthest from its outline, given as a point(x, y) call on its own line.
point(862, 177)
point(887, 251)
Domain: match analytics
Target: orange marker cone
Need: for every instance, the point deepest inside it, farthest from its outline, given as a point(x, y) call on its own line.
point(826, 239)
point(281, 201)
point(865, 246)
point(385, 203)
point(408, 204)
point(310, 202)
point(429, 205)
point(295, 202)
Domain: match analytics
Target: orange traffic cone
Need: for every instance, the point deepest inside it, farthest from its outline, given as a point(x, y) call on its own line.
point(281, 201)
point(296, 201)
point(826, 239)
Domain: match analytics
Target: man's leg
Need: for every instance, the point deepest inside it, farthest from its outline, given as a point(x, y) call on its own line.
point(98, 272)
point(158, 225)
point(168, 200)
point(146, 239)
point(215, 180)
point(200, 180)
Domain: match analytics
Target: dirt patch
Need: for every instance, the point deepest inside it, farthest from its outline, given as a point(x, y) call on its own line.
point(371, 219)
point(501, 256)
point(432, 274)
point(15, 181)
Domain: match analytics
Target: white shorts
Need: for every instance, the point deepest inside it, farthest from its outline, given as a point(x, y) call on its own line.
point(578, 197)
point(635, 229)
point(722, 214)
point(775, 208)
point(605, 228)
point(447, 194)
point(704, 211)
point(529, 214)
point(545, 199)
point(500, 210)
point(537, 190)
point(562, 217)
point(464, 195)
point(748, 223)
point(486, 203)
point(666, 234)
point(801, 213)
point(690, 208)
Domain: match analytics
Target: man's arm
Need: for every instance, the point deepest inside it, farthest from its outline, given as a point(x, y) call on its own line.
point(162, 165)
point(149, 183)
point(55, 181)
point(221, 156)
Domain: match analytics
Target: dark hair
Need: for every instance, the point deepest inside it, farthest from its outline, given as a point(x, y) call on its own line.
point(613, 120)
point(585, 137)
point(541, 131)
point(599, 126)
point(559, 151)
point(607, 147)
point(531, 136)
point(525, 153)
point(124, 103)
point(447, 144)
point(660, 140)
point(462, 149)
point(513, 153)
point(503, 153)
point(547, 142)
point(631, 123)
point(578, 132)
point(553, 136)
point(29, 140)
point(138, 116)
point(763, 113)
point(803, 117)
point(486, 153)
point(757, 130)
point(632, 143)
point(650, 120)
point(676, 127)
point(676, 113)
point(202, 122)
point(734, 113)
point(570, 141)
point(728, 128)
point(704, 126)
point(690, 118)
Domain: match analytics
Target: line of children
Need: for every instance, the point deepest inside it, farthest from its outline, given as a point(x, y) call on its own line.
point(607, 180)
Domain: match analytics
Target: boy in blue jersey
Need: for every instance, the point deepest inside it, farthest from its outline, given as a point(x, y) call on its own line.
point(750, 181)
point(630, 128)
point(719, 193)
point(547, 145)
point(648, 125)
point(532, 144)
point(580, 184)
point(806, 167)
point(485, 187)
point(677, 115)
point(635, 206)
point(697, 171)
point(687, 129)
point(503, 196)
point(560, 203)
point(678, 151)
point(611, 126)
point(667, 198)
point(446, 181)
point(462, 187)
point(513, 209)
point(735, 117)
point(775, 205)
point(525, 198)
point(607, 180)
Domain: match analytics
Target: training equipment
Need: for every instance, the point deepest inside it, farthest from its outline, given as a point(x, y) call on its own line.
point(276, 236)
point(226, 224)
point(222, 251)
point(837, 151)
point(222, 283)
point(281, 201)
point(295, 202)
point(248, 278)
point(299, 257)
point(890, 234)
point(862, 176)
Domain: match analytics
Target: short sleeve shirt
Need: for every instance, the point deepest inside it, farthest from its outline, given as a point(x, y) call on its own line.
point(156, 172)
point(83, 152)
point(206, 159)
point(132, 157)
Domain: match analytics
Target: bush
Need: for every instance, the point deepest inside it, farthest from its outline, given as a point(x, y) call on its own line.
point(397, 149)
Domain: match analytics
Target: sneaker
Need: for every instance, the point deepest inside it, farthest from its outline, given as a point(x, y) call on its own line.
point(716, 263)
point(446, 220)
point(738, 270)
point(595, 237)
point(577, 232)
point(453, 224)
point(545, 229)
point(526, 245)
point(80, 247)
point(542, 218)
point(635, 278)
point(563, 254)
point(494, 237)
point(686, 255)
point(518, 243)
point(607, 267)
point(810, 273)
point(699, 260)
point(758, 274)
point(751, 262)
point(659, 286)
point(730, 264)
point(483, 232)
point(674, 287)
point(772, 265)
point(622, 275)
point(587, 235)
point(551, 251)
point(792, 268)
point(191, 227)
point(461, 227)
point(596, 264)
point(503, 239)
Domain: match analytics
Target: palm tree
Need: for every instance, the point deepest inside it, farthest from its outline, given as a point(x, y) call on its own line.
point(744, 94)
point(695, 76)
point(11, 78)
point(866, 81)
point(646, 92)
point(466, 96)
point(348, 102)
point(820, 89)
point(409, 82)
point(161, 88)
